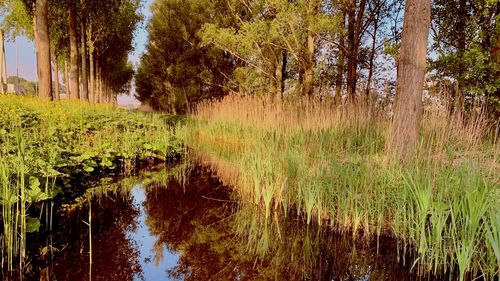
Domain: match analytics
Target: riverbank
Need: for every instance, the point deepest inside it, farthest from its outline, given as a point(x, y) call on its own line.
point(48, 148)
point(329, 164)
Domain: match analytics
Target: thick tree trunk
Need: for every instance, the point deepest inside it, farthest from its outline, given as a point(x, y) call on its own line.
point(73, 46)
point(410, 80)
point(43, 50)
point(340, 64)
point(83, 51)
point(57, 94)
point(309, 65)
point(355, 21)
point(459, 93)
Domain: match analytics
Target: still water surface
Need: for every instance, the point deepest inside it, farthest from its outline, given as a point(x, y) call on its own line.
point(197, 231)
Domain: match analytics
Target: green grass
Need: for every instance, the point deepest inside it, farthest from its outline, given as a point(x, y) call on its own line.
point(442, 208)
point(44, 141)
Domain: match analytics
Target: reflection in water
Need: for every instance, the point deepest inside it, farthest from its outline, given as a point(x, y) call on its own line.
point(195, 231)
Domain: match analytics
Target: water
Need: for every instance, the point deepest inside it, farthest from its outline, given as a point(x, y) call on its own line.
point(197, 231)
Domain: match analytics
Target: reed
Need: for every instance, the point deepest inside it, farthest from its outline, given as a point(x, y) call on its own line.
point(329, 164)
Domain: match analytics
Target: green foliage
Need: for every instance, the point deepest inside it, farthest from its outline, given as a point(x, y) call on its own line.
point(175, 71)
point(466, 35)
point(15, 18)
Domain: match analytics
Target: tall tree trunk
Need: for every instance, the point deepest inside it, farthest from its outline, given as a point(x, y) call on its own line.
point(309, 65)
point(284, 53)
point(354, 24)
point(459, 93)
point(66, 78)
point(372, 58)
point(36, 47)
point(83, 51)
point(73, 46)
point(57, 94)
point(351, 54)
point(92, 77)
point(278, 75)
point(308, 88)
point(410, 80)
point(43, 50)
point(340, 64)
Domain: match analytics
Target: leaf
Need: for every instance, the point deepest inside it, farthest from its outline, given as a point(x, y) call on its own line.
point(88, 169)
point(32, 224)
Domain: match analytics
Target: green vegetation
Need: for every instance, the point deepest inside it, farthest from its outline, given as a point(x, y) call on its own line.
point(330, 166)
point(44, 141)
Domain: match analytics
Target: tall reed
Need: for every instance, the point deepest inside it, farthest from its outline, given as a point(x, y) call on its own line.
point(328, 162)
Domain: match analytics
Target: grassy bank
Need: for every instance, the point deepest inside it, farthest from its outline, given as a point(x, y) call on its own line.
point(329, 164)
point(44, 143)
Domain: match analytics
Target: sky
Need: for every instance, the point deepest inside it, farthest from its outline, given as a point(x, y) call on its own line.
point(27, 57)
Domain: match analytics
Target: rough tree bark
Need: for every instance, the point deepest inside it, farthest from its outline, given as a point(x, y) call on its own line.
point(43, 50)
point(73, 46)
point(410, 80)
point(354, 23)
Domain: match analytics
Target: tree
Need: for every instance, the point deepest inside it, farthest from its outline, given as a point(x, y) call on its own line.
point(43, 50)
point(73, 46)
point(177, 71)
point(465, 33)
point(412, 63)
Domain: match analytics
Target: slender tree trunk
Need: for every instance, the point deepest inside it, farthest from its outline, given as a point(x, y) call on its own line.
point(66, 78)
point(92, 77)
point(83, 51)
point(43, 46)
point(340, 64)
point(351, 54)
point(284, 53)
point(372, 58)
point(278, 75)
point(410, 80)
point(308, 87)
point(36, 46)
point(57, 94)
point(73, 46)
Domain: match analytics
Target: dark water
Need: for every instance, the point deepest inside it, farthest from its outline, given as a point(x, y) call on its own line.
point(196, 231)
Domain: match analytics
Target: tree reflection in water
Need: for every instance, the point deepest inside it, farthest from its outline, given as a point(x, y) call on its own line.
point(114, 254)
point(197, 231)
point(219, 240)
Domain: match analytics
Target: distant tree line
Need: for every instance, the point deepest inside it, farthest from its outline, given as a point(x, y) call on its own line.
point(87, 40)
point(347, 49)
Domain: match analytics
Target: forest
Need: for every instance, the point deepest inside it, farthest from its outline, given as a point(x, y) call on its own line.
point(344, 50)
point(275, 140)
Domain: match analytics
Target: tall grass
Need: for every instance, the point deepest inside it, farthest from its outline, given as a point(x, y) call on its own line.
point(329, 164)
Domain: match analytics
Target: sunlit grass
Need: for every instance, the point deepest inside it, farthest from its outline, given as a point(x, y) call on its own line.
point(329, 164)
point(44, 141)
